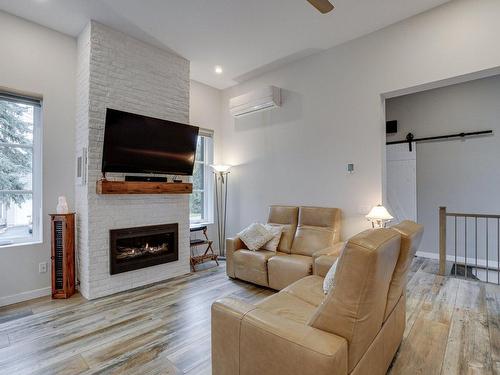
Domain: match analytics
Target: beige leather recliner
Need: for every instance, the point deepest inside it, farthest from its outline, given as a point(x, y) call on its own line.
point(355, 329)
point(309, 232)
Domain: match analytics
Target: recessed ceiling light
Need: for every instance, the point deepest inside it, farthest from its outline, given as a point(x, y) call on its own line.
point(218, 69)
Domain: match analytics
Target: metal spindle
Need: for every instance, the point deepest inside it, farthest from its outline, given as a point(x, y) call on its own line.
point(487, 261)
point(455, 246)
point(465, 222)
point(475, 248)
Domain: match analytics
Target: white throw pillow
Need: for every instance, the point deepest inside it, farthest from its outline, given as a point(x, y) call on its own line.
point(276, 230)
point(255, 236)
point(328, 283)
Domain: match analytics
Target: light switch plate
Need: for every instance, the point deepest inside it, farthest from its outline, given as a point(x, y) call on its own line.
point(81, 167)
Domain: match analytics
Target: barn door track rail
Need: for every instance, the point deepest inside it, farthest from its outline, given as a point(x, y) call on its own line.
point(411, 138)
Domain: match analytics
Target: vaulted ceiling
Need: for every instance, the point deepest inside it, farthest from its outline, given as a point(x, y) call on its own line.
point(244, 37)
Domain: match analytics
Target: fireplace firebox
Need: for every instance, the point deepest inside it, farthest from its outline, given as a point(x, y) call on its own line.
point(135, 248)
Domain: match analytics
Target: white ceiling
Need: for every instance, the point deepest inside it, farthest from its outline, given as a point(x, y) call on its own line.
point(245, 37)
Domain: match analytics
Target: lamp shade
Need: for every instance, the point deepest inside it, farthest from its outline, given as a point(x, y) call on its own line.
point(221, 168)
point(379, 213)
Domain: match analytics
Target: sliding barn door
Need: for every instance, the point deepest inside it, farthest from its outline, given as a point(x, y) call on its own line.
point(402, 181)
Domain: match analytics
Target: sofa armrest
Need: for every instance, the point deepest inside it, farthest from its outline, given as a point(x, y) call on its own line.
point(227, 314)
point(331, 253)
point(249, 340)
point(330, 250)
point(272, 344)
point(232, 244)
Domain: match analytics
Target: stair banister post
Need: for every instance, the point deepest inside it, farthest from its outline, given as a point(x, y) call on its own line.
point(442, 241)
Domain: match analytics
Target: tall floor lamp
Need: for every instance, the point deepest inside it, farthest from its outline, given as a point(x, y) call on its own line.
point(221, 174)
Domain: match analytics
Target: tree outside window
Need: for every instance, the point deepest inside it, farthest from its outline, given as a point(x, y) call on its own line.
point(17, 130)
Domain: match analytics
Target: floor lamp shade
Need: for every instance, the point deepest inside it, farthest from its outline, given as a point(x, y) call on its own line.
point(221, 173)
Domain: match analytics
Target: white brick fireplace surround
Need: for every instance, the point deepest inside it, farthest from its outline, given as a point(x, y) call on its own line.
point(120, 72)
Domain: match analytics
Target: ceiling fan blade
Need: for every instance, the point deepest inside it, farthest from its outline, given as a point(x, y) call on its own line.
point(324, 6)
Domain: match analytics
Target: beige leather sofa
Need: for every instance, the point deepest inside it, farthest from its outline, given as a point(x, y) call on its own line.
point(355, 329)
point(309, 233)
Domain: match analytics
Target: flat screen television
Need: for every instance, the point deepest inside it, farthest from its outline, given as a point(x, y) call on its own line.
point(140, 144)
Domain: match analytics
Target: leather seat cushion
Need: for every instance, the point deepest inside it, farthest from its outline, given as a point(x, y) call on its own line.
point(309, 289)
point(309, 239)
point(252, 265)
point(288, 306)
point(284, 269)
point(323, 264)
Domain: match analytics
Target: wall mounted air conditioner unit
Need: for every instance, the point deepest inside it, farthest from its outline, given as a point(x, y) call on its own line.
point(254, 101)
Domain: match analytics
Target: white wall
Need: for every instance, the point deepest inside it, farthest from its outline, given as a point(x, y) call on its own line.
point(40, 61)
point(205, 111)
point(333, 113)
point(460, 174)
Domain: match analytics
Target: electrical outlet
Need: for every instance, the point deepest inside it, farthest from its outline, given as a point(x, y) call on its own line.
point(42, 267)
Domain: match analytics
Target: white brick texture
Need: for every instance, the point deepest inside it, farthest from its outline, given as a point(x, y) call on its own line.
point(120, 72)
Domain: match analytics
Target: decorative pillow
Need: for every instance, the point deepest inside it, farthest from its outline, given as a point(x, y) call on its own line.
point(276, 230)
point(328, 282)
point(255, 236)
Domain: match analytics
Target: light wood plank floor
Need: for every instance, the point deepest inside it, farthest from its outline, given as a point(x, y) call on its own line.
point(453, 327)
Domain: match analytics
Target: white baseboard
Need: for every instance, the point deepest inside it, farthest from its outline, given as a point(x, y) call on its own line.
point(492, 264)
point(425, 254)
point(25, 296)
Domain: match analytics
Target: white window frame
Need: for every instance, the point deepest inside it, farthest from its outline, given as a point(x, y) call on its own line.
point(36, 172)
point(208, 179)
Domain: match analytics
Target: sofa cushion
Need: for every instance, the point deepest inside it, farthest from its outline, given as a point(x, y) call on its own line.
point(323, 264)
point(318, 228)
point(255, 236)
point(308, 289)
point(329, 281)
point(252, 265)
point(288, 217)
point(285, 269)
point(277, 231)
point(320, 217)
point(288, 306)
point(309, 239)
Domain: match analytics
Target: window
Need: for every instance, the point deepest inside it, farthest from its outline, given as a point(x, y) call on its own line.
point(20, 162)
point(201, 201)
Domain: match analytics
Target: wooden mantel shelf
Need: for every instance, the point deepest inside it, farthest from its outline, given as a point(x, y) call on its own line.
point(140, 187)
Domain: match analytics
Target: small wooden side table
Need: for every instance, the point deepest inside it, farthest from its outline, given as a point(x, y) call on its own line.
point(208, 255)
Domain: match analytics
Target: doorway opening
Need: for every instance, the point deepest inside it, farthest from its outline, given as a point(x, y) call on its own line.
point(438, 164)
